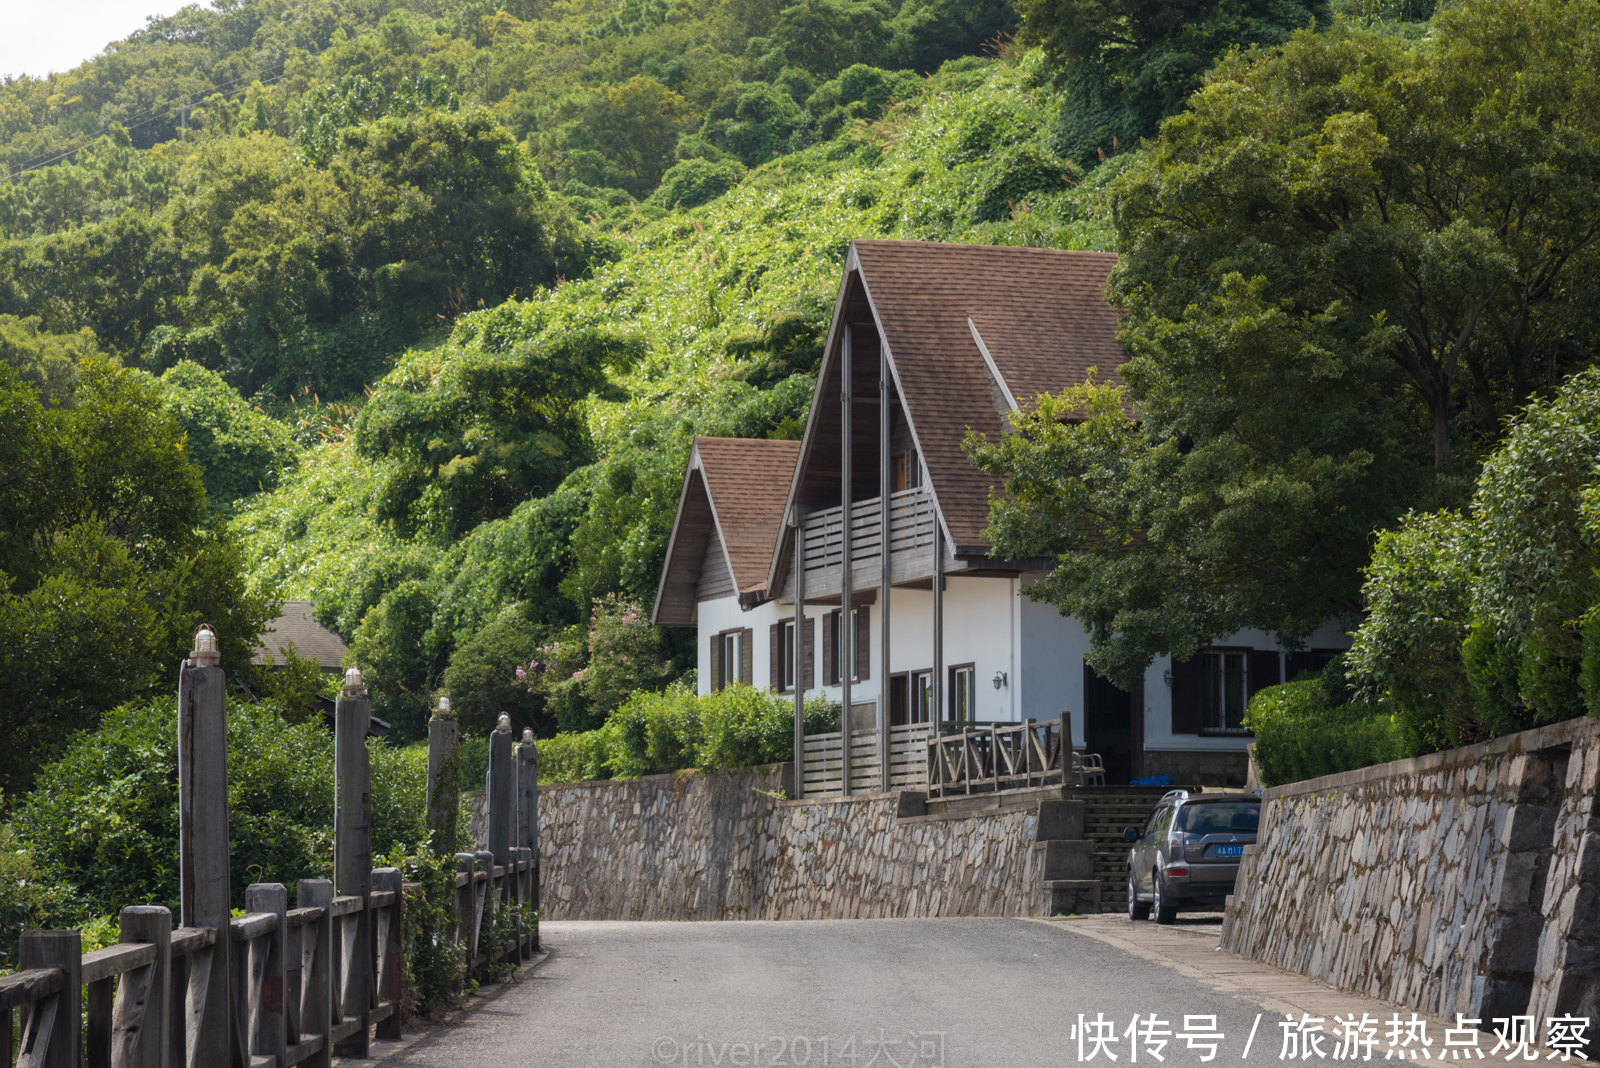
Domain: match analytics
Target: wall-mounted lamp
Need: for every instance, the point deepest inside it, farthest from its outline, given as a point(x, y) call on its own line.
point(354, 684)
point(999, 679)
point(1166, 677)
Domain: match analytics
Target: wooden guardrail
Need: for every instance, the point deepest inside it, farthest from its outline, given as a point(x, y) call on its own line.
point(277, 986)
point(999, 757)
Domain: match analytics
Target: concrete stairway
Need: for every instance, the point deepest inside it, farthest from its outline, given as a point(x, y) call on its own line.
point(1106, 811)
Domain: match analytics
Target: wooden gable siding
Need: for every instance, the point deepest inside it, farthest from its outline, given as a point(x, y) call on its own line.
point(680, 578)
point(715, 578)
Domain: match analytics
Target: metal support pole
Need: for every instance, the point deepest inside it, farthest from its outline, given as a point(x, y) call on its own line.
point(845, 639)
point(884, 689)
point(801, 678)
point(352, 848)
point(203, 836)
point(937, 711)
point(444, 737)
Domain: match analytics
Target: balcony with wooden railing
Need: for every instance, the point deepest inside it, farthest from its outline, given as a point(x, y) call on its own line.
point(912, 526)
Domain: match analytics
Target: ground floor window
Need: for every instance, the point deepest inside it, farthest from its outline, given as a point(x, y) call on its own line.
point(727, 656)
point(1224, 686)
point(791, 653)
point(922, 697)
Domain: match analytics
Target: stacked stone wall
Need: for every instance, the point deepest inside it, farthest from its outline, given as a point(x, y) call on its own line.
point(1466, 881)
point(721, 846)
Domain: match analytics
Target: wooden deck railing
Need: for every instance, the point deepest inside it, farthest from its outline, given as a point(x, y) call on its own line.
point(277, 986)
point(823, 765)
point(998, 757)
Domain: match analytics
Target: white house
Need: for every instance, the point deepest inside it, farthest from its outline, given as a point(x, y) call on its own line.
point(927, 341)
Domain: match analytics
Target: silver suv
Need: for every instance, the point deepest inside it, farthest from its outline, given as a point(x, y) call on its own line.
point(1187, 856)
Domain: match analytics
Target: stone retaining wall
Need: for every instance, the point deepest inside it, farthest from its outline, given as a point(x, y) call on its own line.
point(1466, 881)
point(720, 846)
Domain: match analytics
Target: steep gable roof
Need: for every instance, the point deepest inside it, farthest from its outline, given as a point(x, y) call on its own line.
point(734, 491)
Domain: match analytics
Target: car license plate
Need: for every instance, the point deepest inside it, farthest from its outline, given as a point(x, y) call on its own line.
point(1230, 851)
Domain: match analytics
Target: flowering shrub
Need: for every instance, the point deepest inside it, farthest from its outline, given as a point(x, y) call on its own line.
point(587, 674)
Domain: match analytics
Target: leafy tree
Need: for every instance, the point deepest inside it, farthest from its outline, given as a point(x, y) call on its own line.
point(490, 428)
point(1328, 264)
point(239, 448)
point(1130, 63)
point(697, 181)
point(826, 36)
point(328, 110)
point(48, 362)
point(105, 576)
point(637, 124)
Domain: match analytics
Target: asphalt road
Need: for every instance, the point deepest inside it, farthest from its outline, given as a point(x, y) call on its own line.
point(857, 993)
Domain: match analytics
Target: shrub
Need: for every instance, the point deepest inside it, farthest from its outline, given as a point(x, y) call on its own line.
point(697, 181)
point(656, 733)
point(101, 824)
point(1300, 735)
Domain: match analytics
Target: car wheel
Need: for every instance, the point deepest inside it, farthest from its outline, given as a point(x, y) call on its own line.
point(1137, 910)
point(1165, 912)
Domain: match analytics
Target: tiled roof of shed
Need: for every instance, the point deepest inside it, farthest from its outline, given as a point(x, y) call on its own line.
point(748, 480)
point(1043, 317)
point(298, 624)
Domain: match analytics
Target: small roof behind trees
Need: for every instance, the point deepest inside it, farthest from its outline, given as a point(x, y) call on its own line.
point(297, 625)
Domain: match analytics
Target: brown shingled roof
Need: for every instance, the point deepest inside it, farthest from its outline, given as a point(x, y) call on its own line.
point(748, 480)
point(297, 624)
point(1042, 315)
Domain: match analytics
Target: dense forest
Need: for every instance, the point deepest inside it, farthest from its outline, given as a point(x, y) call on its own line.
point(431, 297)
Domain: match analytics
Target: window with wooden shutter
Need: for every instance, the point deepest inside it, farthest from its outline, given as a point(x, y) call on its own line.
point(716, 662)
point(775, 657)
point(747, 656)
point(863, 657)
point(1187, 697)
point(830, 648)
point(808, 670)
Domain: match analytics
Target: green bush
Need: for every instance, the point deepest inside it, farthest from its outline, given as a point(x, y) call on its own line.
point(697, 181)
point(1300, 735)
point(101, 824)
point(657, 733)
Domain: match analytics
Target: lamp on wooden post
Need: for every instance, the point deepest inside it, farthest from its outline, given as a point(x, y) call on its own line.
point(203, 835)
point(444, 737)
point(498, 796)
point(352, 847)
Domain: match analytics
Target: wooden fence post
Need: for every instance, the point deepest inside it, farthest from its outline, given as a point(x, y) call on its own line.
point(316, 970)
point(268, 1034)
point(145, 1044)
point(528, 823)
point(59, 1021)
point(466, 912)
point(203, 835)
point(443, 778)
point(390, 947)
point(352, 850)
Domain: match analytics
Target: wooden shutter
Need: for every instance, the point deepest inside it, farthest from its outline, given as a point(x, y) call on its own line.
point(830, 650)
point(808, 672)
point(1299, 662)
point(716, 662)
point(1186, 696)
point(1263, 670)
point(775, 657)
point(863, 642)
point(747, 655)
